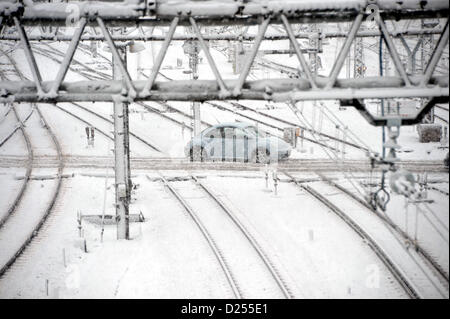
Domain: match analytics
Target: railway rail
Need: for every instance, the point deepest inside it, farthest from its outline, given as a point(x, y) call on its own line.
point(13, 208)
point(29, 168)
point(269, 265)
point(150, 145)
point(439, 190)
point(441, 107)
point(214, 242)
point(15, 129)
point(420, 250)
point(441, 118)
point(31, 233)
point(409, 287)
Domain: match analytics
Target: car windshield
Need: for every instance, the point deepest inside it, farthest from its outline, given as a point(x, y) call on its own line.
point(254, 131)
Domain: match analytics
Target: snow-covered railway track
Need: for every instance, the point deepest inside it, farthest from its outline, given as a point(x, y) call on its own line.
point(99, 130)
point(164, 116)
point(441, 107)
point(441, 118)
point(409, 288)
point(212, 244)
point(218, 224)
point(29, 161)
point(145, 142)
point(105, 134)
point(14, 130)
point(439, 190)
point(23, 226)
point(409, 268)
point(420, 250)
point(263, 256)
point(229, 240)
point(20, 227)
point(29, 168)
point(89, 73)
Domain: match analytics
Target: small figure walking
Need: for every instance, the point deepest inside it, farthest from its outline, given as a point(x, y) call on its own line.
point(87, 136)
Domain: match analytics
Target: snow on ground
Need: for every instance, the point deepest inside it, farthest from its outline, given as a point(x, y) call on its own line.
point(317, 254)
point(27, 214)
point(432, 223)
point(16, 143)
point(167, 256)
point(72, 135)
point(393, 247)
point(321, 256)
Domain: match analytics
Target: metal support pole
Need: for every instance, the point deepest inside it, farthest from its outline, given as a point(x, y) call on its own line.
point(195, 106)
point(196, 113)
point(121, 156)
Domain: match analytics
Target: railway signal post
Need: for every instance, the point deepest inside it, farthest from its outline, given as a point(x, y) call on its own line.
point(192, 49)
point(121, 158)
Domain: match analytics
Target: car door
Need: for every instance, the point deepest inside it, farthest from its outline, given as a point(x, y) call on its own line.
point(236, 144)
point(213, 143)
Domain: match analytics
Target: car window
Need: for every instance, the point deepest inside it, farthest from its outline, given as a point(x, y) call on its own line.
point(229, 132)
point(215, 133)
point(240, 134)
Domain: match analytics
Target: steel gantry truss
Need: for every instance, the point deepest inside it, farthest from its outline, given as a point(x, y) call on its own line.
point(15, 16)
point(138, 13)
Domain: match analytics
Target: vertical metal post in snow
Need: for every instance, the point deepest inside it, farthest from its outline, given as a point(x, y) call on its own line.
point(121, 156)
point(195, 105)
point(359, 68)
point(127, 140)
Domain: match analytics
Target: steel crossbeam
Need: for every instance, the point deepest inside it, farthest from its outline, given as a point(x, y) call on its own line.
point(215, 12)
point(196, 14)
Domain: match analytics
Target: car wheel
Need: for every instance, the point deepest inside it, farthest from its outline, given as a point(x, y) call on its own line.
point(261, 156)
point(198, 154)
